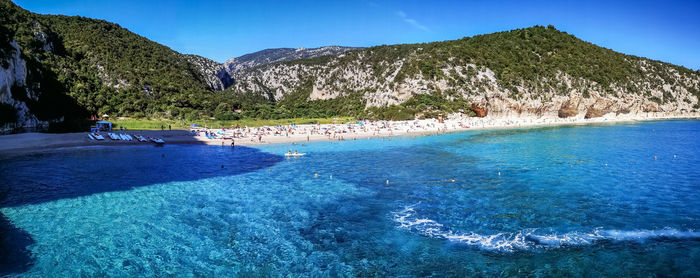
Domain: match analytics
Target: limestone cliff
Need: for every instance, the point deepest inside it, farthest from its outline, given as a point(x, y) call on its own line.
point(13, 78)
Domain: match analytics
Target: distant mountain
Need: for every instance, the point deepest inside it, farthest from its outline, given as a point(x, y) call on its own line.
point(274, 55)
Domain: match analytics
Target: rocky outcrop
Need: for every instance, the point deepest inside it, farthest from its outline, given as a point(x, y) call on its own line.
point(479, 111)
point(568, 109)
point(595, 113)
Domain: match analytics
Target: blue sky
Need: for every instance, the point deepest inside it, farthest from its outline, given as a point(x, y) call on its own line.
point(662, 30)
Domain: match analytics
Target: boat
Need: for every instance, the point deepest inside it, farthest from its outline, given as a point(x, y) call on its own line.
point(97, 136)
point(158, 141)
point(140, 138)
point(294, 154)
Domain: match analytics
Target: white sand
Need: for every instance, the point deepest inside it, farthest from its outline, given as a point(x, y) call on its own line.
point(38, 142)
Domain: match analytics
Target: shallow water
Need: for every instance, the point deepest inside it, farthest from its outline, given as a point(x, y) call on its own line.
point(614, 200)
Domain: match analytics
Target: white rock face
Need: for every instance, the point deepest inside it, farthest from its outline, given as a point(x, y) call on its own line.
point(211, 72)
point(16, 74)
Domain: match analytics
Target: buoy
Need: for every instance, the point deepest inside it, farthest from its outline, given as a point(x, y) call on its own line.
point(387, 181)
point(499, 173)
point(316, 175)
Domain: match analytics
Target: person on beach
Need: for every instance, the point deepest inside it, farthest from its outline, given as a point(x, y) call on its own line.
point(162, 127)
point(233, 143)
point(169, 127)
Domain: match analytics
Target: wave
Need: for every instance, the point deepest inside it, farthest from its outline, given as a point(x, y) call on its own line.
point(528, 239)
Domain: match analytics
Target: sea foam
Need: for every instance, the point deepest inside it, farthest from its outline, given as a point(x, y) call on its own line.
point(528, 239)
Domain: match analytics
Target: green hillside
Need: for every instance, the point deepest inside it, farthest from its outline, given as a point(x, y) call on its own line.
point(531, 59)
point(102, 67)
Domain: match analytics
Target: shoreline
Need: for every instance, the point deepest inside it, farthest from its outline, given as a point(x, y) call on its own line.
point(30, 143)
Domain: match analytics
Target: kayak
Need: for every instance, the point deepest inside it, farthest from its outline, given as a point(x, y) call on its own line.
point(158, 141)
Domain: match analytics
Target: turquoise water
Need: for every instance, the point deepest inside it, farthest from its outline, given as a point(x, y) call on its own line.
point(599, 200)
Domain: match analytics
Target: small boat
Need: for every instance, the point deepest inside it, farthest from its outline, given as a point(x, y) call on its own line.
point(158, 141)
point(141, 138)
point(97, 136)
point(112, 136)
point(294, 154)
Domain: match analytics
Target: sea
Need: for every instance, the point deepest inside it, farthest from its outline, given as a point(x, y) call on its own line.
point(613, 200)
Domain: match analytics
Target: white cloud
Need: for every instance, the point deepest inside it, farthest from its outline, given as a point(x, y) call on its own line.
point(411, 21)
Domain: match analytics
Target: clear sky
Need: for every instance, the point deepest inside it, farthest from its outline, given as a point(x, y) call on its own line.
point(662, 30)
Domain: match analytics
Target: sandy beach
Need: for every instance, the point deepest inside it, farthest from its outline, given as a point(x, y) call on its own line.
point(25, 143)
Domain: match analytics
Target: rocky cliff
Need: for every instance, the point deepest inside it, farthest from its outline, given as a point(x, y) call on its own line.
point(13, 78)
point(211, 72)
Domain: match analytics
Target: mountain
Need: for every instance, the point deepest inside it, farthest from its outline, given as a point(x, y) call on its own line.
point(274, 55)
point(219, 76)
point(536, 71)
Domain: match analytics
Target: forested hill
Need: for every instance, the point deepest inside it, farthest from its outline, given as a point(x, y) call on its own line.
point(95, 65)
point(537, 71)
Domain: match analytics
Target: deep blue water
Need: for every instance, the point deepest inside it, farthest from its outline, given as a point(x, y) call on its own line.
point(597, 200)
